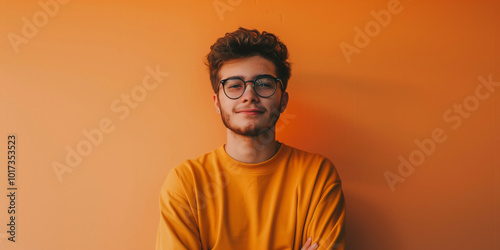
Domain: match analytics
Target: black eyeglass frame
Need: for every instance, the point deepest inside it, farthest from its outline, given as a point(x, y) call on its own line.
point(278, 82)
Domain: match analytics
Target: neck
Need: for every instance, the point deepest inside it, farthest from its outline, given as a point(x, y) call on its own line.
point(249, 149)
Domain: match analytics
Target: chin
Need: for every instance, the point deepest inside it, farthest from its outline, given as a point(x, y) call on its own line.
point(246, 127)
point(251, 130)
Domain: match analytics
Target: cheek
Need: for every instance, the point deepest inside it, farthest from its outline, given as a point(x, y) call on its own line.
point(227, 106)
point(274, 104)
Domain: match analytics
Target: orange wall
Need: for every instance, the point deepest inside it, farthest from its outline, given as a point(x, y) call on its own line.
point(360, 99)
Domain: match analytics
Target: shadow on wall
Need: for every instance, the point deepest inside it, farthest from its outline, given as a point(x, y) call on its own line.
point(346, 120)
point(367, 227)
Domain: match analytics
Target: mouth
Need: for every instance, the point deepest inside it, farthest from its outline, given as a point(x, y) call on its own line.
point(250, 112)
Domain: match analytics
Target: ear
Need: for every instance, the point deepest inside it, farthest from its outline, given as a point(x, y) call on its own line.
point(216, 103)
point(284, 101)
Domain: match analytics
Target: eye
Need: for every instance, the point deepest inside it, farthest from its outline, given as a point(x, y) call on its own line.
point(234, 84)
point(265, 82)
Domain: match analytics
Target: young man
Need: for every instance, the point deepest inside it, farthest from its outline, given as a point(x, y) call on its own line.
point(253, 192)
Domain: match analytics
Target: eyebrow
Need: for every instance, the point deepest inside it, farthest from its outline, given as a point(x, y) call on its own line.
point(255, 77)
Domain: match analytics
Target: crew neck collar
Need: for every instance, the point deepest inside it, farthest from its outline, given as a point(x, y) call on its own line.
point(238, 167)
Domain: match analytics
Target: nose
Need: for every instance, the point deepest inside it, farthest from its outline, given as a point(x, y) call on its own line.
point(249, 94)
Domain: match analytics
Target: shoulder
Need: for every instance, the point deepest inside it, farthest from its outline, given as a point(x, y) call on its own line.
point(314, 164)
point(306, 155)
point(189, 172)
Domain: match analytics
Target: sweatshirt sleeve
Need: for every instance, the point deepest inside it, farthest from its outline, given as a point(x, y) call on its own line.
point(326, 225)
point(177, 228)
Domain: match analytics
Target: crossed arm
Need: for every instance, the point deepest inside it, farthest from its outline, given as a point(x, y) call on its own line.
point(178, 230)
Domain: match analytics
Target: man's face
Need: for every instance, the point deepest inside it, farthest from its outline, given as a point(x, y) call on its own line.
point(249, 115)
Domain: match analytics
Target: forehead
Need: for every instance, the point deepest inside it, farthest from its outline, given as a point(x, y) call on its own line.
point(247, 67)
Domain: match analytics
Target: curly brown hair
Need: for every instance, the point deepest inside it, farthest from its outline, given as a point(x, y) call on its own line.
point(246, 43)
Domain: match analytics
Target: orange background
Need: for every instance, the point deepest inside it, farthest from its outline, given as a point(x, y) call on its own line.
point(363, 114)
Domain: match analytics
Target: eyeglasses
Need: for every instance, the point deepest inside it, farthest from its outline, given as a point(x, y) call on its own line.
point(264, 86)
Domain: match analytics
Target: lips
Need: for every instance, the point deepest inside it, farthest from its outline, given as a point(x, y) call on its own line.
point(250, 111)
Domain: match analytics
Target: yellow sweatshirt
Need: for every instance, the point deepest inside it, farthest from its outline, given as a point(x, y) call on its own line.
point(216, 202)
